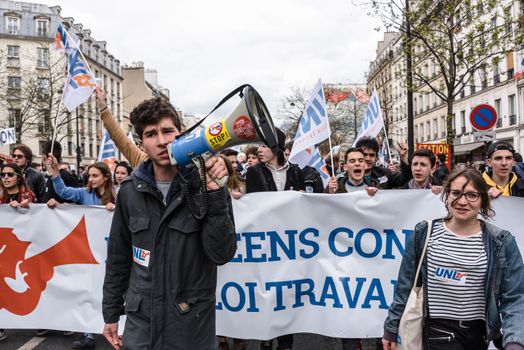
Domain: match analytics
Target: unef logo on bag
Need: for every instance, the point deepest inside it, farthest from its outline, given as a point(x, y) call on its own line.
point(141, 256)
point(217, 135)
point(22, 281)
point(451, 276)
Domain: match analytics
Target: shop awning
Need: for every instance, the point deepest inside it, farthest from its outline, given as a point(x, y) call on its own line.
point(467, 148)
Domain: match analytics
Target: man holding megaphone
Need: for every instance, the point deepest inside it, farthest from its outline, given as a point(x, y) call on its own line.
point(162, 251)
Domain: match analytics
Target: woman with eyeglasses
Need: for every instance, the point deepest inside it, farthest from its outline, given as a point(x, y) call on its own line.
point(472, 274)
point(15, 190)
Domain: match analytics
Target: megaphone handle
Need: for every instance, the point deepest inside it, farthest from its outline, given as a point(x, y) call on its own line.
point(220, 181)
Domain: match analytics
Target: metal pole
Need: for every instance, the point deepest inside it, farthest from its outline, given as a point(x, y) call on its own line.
point(78, 149)
point(409, 83)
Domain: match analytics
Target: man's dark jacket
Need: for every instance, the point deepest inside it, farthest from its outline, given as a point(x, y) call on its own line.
point(441, 174)
point(69, 181)
point(388, 179)
point(36, 182)
point(170, 304)
point(260, 179)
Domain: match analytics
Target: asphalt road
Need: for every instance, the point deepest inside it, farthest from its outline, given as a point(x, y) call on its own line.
point(26, 340)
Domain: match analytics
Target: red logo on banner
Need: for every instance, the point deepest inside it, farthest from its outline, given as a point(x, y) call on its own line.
point(22, 281)
point(244, 129)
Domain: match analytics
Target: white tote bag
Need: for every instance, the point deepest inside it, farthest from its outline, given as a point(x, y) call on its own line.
point(412, 320)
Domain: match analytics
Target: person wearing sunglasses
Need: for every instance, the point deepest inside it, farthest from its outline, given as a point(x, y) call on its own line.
point(472, 275)
point(23, 156)
point(16, 193)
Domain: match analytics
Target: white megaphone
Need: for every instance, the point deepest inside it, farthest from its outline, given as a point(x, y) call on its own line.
point(250, 122)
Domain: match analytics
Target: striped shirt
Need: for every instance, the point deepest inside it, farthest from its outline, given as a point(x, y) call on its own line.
point(457, 268)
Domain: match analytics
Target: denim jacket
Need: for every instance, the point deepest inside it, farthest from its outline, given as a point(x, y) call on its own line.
point(503, 290)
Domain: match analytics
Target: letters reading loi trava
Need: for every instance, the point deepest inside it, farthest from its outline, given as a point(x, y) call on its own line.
point(338, 292)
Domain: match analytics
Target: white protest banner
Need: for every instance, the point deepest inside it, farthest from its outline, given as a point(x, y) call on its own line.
point(52, 267)
point(313, 127)
point(373, 121)
point(316, 263)
point(7, 136)
point(323, 264)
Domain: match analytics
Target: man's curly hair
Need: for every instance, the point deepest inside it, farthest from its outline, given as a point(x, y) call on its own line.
point(150, 112)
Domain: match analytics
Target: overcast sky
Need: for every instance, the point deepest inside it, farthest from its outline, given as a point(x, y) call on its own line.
point(202, 49)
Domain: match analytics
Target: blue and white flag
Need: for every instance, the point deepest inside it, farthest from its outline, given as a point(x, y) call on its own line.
point(318, 163)
point(384, 155)
point(80, 82)
point(63, 42)
point(373, 121)
point(107, 148)
point(131, 137)
point(314, 125)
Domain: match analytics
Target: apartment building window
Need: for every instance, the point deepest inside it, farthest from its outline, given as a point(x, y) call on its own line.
point(91, 150)
point(511, 109)
point(416, 133)
point(415, 106)
point(497, 108)
point(463, 121)
point(428, 130)
point(118, 91)
point(13, 86)
point(435, 129)
point(42, 57)
point(14, 116)
point(496, 74)
point(13, 25)
point(89, 127)
point(105, 83)
point(112, 88)
point(444, 127)
point(13, 55)
point(507, 19)
point(69, 148)
point(42, 26)
point(43, 88)
point(483, 77)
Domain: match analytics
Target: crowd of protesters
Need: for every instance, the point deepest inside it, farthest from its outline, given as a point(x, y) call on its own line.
point(466, 193)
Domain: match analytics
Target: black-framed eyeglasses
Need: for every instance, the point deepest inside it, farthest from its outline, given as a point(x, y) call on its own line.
point(8, 174)
point(470, 196)
point(17, 156)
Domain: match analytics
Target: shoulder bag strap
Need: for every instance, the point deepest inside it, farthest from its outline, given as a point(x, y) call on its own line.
point(421, 259)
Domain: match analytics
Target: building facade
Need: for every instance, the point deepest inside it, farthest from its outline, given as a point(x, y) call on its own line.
point(493, 84)
point(33, 75)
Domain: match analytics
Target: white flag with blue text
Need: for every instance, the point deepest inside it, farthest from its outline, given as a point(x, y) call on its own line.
point(373, 121)
point(314, 125)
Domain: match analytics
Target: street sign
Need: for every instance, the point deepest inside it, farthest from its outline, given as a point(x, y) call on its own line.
point(483, 117)
point(484, 136)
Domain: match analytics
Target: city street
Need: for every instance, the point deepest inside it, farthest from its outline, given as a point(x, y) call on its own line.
point(26, 340)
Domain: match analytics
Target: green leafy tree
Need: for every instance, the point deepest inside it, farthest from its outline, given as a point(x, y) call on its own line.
point(453, 40)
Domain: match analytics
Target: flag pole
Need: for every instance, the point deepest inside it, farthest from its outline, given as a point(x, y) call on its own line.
point(387, 143)
point(58, 111)
point(331, 155)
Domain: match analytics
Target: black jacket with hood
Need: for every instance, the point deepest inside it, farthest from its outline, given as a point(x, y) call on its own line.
point(163, 261)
